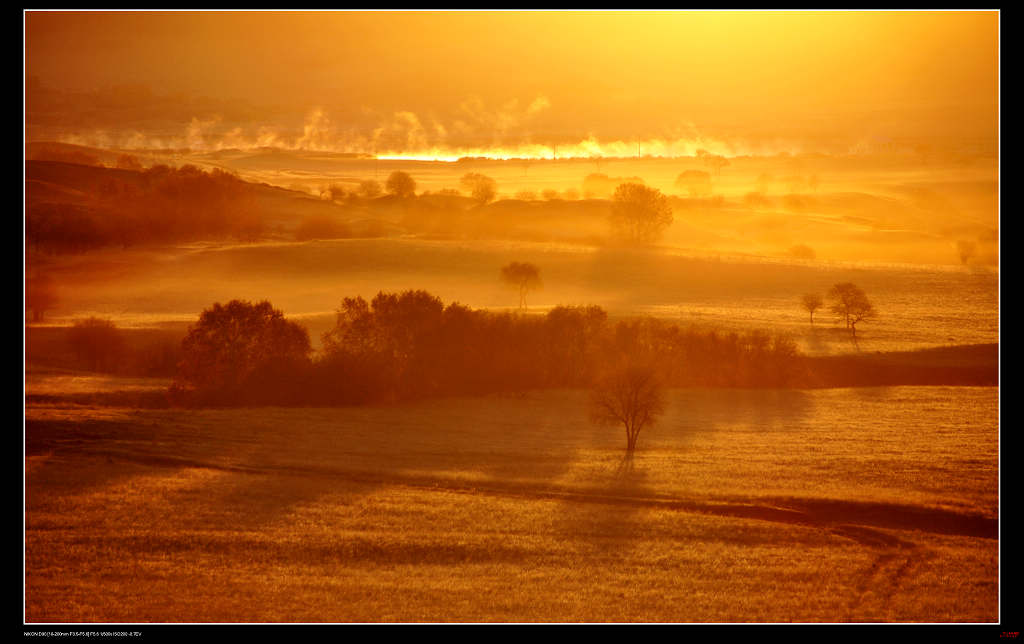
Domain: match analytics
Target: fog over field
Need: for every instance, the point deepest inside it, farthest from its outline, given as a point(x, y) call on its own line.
point(443, 323)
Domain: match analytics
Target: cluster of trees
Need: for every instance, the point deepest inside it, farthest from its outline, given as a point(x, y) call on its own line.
point(410, 344)
point(98, 344)
point(160, 204)
point(638, 214)
point(479, 187)
point(242, 353)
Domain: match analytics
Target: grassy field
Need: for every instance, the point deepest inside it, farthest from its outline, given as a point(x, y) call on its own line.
point(838, 505)
point(919, 306)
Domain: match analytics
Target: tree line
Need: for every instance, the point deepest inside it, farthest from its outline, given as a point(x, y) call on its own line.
point(159, 204)
point(400, 346)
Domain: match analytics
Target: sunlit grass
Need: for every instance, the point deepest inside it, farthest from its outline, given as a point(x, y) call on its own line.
point(508, 509)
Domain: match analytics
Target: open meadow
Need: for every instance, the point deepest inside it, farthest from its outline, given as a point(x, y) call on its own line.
point(834, 505)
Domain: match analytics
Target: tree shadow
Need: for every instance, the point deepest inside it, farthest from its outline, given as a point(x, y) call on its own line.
point(626, 469)
point(249, 468)
point(606, 519)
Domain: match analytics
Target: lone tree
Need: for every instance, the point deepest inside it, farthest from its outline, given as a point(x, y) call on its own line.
point(640, 214)
point(631, 396)
point(481, 188)
point(241, 351)
point(811, 303)
point(400, 184)
point(850, 303)
point(966, 249)
point(524, 276)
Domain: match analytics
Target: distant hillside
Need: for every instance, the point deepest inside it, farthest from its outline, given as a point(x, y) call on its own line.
point(74, 207)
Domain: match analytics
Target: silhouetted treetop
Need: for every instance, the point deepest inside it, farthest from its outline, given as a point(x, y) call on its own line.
point(400, 184)
point(399, 346)
point(240, 351)
point(159, 204)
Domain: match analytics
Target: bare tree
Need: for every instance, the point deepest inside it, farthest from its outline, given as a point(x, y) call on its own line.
point(640, 214)
point(811, 303)
point(851, 303)
point(631, 396)
point(524, 276)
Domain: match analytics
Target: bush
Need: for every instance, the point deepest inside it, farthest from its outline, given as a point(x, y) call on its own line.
point(241, 353)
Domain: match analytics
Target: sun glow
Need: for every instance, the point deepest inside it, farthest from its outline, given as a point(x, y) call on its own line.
point(589, 148)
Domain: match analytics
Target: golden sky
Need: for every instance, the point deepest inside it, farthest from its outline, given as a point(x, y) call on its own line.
point(814, 81)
